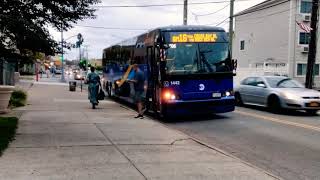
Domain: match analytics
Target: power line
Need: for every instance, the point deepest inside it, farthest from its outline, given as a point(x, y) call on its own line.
point(218, 24)
point(222, 21)
point(261, 8)
point(112, 28)
point(208, 14)
point(268, 15)
point(260, 17)
point(157, 5)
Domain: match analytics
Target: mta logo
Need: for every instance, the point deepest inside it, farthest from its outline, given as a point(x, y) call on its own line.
point(201, 87)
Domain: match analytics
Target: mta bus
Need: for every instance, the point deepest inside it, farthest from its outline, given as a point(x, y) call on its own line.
point(188, 70)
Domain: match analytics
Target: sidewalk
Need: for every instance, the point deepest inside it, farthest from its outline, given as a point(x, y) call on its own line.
point(60, 137)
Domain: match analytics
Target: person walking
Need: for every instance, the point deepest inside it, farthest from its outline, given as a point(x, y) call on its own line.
point(53, 69)
point(42, 70)
point(47, 72)
point(139, 82)
point(93, 80)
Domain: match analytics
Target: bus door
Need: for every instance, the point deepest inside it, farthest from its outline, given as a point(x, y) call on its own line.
point(152, 79)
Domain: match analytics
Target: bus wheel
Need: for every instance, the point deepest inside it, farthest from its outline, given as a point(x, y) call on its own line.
point(163, 114)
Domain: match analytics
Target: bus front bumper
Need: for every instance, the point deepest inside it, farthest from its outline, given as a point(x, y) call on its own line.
point(211, 106)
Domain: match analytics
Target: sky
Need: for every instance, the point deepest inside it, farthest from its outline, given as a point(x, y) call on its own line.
point(134, 21)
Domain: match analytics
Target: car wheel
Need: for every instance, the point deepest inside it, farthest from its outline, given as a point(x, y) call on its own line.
point(274, 104)
point(312, 112)
point(238, 99)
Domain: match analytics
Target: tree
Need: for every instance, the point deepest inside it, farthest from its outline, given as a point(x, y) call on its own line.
point(24, 24)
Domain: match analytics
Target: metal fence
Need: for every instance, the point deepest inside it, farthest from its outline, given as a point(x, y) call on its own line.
point(7, 70)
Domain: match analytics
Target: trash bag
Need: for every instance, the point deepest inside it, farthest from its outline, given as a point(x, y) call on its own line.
point(101, 94)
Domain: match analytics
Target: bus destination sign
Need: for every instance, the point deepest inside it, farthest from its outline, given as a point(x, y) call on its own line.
point(197, 37)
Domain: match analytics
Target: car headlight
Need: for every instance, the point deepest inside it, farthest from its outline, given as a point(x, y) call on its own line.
point(291, 96)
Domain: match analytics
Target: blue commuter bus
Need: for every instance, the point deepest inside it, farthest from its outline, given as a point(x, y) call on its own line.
point(188, 70)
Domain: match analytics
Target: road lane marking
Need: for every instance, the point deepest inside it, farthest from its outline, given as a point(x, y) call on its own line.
point(279, 121)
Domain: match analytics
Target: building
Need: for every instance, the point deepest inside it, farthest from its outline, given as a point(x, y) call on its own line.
point(96, 62)
point(268, 40)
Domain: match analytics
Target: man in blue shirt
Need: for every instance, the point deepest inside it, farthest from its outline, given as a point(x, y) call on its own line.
point(139, 81)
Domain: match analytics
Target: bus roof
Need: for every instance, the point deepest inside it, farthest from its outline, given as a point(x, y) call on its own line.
point(174, 28)
point(190, 28)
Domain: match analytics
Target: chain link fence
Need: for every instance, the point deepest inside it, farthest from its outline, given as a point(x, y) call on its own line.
point(7, 70)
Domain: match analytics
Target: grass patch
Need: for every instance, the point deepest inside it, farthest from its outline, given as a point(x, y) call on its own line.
point(18, 98)
point(8, 126)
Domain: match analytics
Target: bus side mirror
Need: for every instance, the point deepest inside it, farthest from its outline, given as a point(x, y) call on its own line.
point(158, 40)
point(234, 63)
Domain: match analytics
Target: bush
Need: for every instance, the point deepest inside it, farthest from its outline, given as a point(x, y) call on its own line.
point(99, 68)
point(8, 126)
point(18, 98)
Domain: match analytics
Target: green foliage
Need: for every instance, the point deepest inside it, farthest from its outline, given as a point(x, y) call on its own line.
point(24, 24)
point(83, 64)
point(8, 126)
point(18, 98)
point(99, 68)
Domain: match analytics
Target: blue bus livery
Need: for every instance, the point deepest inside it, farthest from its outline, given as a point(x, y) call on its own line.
point(188, 70)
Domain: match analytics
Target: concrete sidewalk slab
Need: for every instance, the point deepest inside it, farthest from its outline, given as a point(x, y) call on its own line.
point(141, 132)
point(53, 117)
point(58, 134)
point(60, 137)
point(66, 163)
point(187, 162)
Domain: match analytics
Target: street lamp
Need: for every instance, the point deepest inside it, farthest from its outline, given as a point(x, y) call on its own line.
point(62, 60)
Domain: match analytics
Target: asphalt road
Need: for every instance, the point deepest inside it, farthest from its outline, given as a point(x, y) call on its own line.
point(287, 144)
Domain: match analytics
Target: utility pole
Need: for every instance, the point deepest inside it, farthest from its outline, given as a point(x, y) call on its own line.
point(80, 53)
point(185, 12)
point(62, 58)
point(312, 45)
point(231, 26)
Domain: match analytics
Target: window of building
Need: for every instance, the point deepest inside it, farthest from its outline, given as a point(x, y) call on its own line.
point(305, 6)
point(242, 45)
point(304, 38)
point(302, 69)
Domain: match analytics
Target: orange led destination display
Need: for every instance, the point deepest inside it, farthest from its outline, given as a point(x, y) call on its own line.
point(198, 37)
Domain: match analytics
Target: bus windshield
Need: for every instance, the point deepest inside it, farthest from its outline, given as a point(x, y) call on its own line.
point(197, 58)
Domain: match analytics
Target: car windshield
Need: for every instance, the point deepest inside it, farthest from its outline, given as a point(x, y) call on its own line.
point(193, 58)
point(283, 82)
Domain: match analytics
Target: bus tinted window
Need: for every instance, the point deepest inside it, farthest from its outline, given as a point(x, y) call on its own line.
point(197, 52)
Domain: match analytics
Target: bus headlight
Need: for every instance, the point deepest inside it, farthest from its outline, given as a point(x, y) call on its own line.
point(228, 93)
point(168, 95)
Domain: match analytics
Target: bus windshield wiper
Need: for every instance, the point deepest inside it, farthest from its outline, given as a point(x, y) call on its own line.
point(205, 61)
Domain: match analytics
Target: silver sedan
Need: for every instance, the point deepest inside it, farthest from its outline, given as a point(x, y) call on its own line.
point(276, 92)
